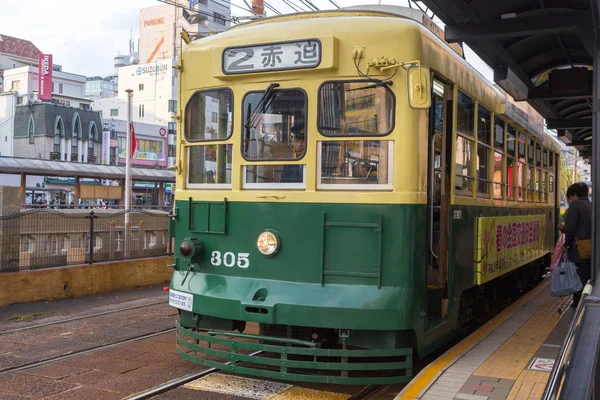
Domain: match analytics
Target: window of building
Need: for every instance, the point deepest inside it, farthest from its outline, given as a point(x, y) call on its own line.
point(354, 109)
point(15, 85)
point(465, 175)
point(60, 88)
point(274, 128)
point(150, 146)
point(114, 112)
point(214, 117)
point(84, 106)
point(198, 111)
point(210, 166)
point(141, 110)
point(484, 149)
point(19, 100)
point(219, 19)
point(141, 86)
point(356, 164)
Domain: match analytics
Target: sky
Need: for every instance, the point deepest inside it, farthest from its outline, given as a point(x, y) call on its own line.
point(84, 36)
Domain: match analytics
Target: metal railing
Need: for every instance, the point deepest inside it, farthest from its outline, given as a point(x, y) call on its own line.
point(43, 238)
point(554, 385)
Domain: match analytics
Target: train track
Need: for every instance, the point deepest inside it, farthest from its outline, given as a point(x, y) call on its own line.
point(62, 321)
point(82, 352)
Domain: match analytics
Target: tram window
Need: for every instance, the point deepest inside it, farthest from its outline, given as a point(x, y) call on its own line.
point(551, 158)
point(357, 164)
point(274, 131)
point(200, 123)
point(209, 166)
point(545, 187)
point(545, 158)
point(538, 185)
point(464, 172)
point(355, 109)
point(288, 176)
point(499, 134)
point(497, 175)
point(530, 147)
point(484, 126)
point(522, 142)
point(530, 183)
point(521, 180)
point(466, 115)
point(510, 178)
point(538, 154)
point(483, 185)
point(551, 183)
point(511, 140)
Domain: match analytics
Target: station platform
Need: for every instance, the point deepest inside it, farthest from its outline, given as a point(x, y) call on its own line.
point(510, 357)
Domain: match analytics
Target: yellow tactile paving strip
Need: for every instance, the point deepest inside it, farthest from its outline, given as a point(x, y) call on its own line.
point(529, 385)
point(509, 361)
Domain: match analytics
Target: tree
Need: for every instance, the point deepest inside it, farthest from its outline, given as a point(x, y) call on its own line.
point(566, 178)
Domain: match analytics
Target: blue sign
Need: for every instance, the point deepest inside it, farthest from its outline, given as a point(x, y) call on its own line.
point(193, 3)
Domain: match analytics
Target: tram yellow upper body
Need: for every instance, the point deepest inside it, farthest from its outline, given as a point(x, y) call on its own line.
point(343, 33)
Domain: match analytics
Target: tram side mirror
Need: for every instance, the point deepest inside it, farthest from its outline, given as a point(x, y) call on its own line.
point(418, 86)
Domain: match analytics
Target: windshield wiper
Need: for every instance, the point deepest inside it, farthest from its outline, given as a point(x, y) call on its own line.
point(373, 86)
point(262, 105)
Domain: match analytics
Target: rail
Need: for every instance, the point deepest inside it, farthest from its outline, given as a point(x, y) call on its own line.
point(562, 364)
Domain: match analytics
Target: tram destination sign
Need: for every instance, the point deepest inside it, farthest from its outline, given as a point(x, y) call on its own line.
point(267, 57)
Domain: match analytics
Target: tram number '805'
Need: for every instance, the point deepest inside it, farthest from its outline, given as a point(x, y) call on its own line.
point(229, 259)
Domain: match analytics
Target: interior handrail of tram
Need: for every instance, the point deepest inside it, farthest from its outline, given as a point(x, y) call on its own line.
point(564, 356)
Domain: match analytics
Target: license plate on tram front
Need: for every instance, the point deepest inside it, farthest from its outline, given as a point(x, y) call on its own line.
point(181, 300)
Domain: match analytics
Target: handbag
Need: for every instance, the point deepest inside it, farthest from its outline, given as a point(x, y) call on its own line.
point(584, 247)
point(565, 280)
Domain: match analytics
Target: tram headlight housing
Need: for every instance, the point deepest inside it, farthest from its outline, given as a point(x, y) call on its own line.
point(191, 249)
point(268, 243)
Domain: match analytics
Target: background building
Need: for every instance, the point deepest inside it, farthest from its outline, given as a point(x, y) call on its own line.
point(160, 26)
point(67, 89)
point(151, 149)
point(54, 132)
point(97, 87)
point(15, 52)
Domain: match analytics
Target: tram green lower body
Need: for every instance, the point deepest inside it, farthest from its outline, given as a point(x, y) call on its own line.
point(354, 270)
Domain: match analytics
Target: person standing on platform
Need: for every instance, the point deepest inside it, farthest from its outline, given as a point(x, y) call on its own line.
point(578, 231)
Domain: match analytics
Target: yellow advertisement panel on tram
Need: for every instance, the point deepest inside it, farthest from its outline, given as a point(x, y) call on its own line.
point(506, 243)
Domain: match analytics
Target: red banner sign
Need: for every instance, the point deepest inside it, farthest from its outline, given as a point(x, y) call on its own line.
point(45, 77)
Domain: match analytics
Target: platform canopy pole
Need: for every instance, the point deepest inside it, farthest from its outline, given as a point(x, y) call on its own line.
point(595, 270)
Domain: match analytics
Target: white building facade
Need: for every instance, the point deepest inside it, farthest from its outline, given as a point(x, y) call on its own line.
point(154, 101)
point(67, 89)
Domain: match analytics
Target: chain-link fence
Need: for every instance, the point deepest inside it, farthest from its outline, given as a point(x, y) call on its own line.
point(45, 238)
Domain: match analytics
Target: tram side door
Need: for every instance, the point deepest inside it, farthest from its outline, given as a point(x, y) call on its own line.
point(438, 202)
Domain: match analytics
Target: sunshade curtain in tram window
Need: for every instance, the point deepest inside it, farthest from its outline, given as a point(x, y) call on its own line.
point(359, 108)
point(209, 115)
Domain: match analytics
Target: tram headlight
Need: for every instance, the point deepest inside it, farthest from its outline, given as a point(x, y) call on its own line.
point(191, 249)
point(268, 243)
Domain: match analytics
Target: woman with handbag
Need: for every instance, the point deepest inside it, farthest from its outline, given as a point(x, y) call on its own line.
point(578, 234)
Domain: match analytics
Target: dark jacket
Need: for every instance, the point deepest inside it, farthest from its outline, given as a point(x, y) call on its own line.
point(291, 174)
point(579, 223)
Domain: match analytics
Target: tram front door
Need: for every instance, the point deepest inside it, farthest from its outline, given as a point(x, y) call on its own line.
point(438, 203)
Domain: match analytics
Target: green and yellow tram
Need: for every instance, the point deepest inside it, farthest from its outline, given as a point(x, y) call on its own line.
point(349, 190)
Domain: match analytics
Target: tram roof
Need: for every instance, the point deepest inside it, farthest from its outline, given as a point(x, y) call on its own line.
point(541, 52)
point(10, 165)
